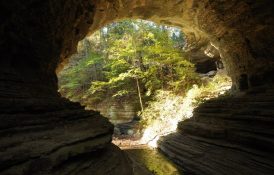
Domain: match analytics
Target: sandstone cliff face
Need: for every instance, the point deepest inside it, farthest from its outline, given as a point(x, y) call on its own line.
point(231, 135)
point(118, 112)
point(41, 133)
point(55, 136)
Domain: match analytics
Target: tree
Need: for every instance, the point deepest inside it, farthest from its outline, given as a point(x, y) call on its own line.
point(135, 58)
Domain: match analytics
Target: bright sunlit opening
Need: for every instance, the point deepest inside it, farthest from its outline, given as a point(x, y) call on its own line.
point(174, 109)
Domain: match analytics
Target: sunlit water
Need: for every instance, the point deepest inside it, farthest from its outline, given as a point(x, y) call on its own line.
point(147, 161)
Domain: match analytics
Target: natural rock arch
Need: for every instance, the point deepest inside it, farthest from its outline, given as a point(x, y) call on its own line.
point(204, 22)
point(242, 31)
point(41, 133)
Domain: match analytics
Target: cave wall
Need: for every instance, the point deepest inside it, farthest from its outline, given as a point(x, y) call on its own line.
point(237, 29)
point(227, 135)
point(38, 36)
point(41, 133)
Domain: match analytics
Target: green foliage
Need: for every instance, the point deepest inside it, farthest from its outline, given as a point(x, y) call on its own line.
point(140, 62)
point(133, 57)
point(73, 79)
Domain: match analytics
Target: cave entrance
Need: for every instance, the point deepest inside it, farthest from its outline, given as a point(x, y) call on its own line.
point(145, 78)
point(42, 133)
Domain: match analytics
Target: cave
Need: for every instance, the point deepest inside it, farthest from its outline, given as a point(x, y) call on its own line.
point(43, 133)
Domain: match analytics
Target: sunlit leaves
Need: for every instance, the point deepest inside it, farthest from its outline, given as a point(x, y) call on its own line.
point(127, 54)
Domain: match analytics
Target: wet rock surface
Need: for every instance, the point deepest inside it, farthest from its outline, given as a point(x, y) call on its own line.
point(229, 135)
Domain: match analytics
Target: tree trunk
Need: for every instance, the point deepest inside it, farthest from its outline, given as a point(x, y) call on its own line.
point(140, 95)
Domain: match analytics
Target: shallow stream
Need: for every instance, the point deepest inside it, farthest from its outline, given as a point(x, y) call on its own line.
point(147, 161)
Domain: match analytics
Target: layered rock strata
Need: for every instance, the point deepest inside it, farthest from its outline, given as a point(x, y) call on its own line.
point(55, 136)
point(229, 135)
